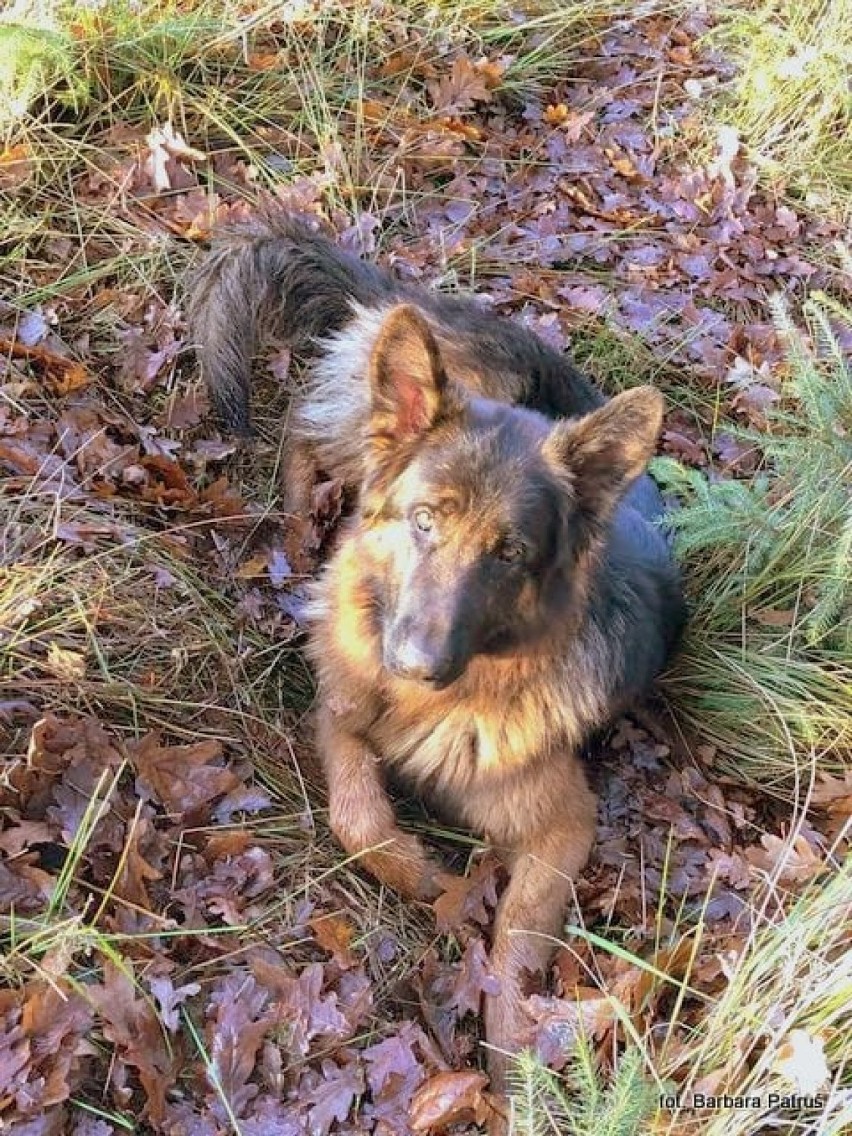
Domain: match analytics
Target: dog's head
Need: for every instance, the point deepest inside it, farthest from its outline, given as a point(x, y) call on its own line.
point(482, 519)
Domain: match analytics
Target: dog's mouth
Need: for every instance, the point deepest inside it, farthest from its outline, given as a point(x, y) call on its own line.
point(429, 679)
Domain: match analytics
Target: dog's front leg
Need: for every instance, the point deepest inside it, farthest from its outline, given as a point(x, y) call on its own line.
point(362, 816)
point(529, 916)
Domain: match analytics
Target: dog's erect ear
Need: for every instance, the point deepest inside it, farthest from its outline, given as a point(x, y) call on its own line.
point(606, 450)
point(409, 389)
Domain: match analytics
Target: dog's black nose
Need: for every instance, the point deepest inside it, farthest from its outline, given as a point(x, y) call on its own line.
point(416, 662)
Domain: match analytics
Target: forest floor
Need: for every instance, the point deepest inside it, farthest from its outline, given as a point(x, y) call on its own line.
point(186, 951)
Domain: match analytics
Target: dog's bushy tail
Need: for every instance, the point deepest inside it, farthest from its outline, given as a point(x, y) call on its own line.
point(275, 278)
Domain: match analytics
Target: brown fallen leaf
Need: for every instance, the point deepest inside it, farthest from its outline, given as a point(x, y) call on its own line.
point(555, 114)
point(17, 710)
point(473, 979)
point(238, 1019)
point(559, 1022)
point(57, 742)
point(226, 845)
point(186, 408)
point(136, 871)
point(27, 460)
point(829, 789)
point(223, 500)
point(54, 1020)
point(63, 375)
point(623, 165)
point(17, 165)
point(332, 1098)
point(304, 1002)
point(21, 836)
point(254, 567)
point(467, 898)
point(263, 60)
point(181, 777)
point(794, 863)
point(686, 449)
point(24, 888)
point(466, 84)
point(334, 934)
point(450, 1098)
point(168, 483)
point(773, 617)
point(130, 1023)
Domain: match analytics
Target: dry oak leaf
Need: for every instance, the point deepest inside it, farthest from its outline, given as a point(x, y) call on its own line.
point(795, 863)
point(57, 742)
point(131, 1024)
point(449, 1098)
point(301, 1003)
point(170, 997)
point(63, 375)
point(466, 84)
point(466, 899)
point(21, 835)
point(559, 1022)
point(332, 1098)
point(240, 1020)
point(473, 978)
point(186, 408)
point(222, 499)
point(334, 934)
point(168, 483)
point(834, 793)
point(181, 777)
point(136, 872)
point(27, 460)
point(24, 887)
point(392, 1065)
point(17, 165)
point(54, 1021)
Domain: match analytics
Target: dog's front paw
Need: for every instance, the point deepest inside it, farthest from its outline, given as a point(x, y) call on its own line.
point(401, 861)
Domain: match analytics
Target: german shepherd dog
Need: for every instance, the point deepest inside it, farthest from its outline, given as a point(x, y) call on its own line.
point(502, 590)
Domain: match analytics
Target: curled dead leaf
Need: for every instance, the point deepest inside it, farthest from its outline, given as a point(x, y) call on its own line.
point(61, 374)
point(334, 934)
point(450, 1098)
point(555, 114)
point(793, 862)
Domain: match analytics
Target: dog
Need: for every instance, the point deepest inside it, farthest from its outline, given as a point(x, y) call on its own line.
point(502, 590)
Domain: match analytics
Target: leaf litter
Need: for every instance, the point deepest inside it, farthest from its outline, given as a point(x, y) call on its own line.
point(153, 975)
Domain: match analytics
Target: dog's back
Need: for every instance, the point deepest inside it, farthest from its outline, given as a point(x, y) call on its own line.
point(280, 277)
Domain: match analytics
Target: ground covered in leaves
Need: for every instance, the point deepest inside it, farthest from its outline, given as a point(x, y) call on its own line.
point(185, 952)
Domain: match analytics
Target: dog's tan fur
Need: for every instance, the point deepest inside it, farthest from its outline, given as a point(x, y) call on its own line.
point(498, 754)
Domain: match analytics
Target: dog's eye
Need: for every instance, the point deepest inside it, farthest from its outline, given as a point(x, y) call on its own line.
point(424, 519)
point(511, 551)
